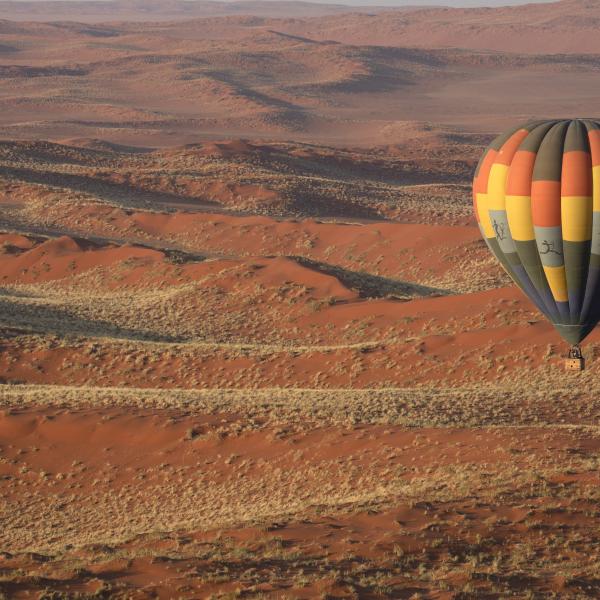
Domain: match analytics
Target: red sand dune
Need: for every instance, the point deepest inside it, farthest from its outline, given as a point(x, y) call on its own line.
point(109, 460)
point(59, 258)
point(412, 252)
point(442, 341)
point(350, 337)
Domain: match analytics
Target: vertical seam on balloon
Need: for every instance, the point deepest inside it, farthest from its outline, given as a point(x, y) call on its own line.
point(544, 273)
point(518, 273)
point(551, 309)
point(585, 315)
point(575, 310)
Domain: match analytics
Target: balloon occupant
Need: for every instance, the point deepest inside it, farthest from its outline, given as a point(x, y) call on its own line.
point(536, 194)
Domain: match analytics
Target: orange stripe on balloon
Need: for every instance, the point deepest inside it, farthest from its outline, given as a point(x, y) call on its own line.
point(507, 152)
point(594, 137)
point(576, 179)
point(545, 203)
point(521, 171)
point(484, 171)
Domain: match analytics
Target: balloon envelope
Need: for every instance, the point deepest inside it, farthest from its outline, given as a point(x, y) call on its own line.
point(536, 195)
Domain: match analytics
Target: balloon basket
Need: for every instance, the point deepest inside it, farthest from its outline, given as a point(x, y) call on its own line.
point(575, 360)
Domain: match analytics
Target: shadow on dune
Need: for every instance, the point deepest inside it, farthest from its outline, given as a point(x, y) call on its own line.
point(109, 191)
point(33, 317)
point(372, 286)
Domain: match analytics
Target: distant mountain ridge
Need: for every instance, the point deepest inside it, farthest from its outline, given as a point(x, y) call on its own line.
point(165, 10)
point(352, 78)
point(563, 27)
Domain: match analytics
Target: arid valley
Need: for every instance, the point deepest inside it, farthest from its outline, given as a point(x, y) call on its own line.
point(252, 344)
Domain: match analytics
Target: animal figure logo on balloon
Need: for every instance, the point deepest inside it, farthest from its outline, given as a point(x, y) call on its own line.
point(536, 194)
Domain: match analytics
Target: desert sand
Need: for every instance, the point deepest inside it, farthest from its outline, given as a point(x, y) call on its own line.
point(251, 341)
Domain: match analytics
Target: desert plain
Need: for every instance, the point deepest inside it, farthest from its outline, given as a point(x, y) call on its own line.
point(252, 344)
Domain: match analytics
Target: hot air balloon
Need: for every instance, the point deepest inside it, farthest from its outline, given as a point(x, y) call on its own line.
point(536, 195)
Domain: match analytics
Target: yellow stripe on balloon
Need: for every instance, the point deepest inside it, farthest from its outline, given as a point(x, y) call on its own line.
point(484, 215)
point(557, 281)
point(497, 186)
point(596, 182)
point(576, 218)
point(520, 221)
